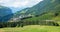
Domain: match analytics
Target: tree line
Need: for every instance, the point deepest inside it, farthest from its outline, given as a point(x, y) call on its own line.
point(25, 23)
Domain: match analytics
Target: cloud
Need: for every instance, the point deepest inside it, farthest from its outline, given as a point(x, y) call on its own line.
point(4, 1)
point(19, 3)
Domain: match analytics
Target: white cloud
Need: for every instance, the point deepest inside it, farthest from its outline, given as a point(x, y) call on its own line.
point(4, 1)
point(19, 3)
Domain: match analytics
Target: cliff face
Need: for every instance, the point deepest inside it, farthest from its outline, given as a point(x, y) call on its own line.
point(5, 13)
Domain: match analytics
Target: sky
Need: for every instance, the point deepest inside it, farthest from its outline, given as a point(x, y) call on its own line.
point(19, 3)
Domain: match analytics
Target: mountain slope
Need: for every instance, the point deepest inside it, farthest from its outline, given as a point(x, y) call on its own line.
point(5, 13)
point(44, 6)
point(49, 7)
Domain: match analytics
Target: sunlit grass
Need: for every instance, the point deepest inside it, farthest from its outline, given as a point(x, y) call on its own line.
point(32, 28)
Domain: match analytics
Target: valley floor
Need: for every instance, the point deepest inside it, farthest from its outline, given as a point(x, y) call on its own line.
point(32, 28)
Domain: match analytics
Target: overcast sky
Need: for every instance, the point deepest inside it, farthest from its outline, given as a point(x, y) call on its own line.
point(19, 3)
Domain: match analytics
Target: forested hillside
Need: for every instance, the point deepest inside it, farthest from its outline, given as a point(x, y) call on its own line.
point(5, 13)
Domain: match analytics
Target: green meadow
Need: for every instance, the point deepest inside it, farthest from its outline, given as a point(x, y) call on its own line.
point(32, 28)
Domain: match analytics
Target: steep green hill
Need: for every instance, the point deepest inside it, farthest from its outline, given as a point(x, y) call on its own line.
point(42, 7)
point(47, 10)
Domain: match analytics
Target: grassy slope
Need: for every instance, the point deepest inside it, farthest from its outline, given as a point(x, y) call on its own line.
point(36, 28)
point(47, 16)
point(32, 28)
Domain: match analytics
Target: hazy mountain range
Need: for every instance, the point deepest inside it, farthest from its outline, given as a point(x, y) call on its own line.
point(47, 10)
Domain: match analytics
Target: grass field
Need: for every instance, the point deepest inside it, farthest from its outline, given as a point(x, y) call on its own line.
point(32, 28)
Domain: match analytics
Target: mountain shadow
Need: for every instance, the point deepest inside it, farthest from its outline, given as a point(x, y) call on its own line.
point(5, 14)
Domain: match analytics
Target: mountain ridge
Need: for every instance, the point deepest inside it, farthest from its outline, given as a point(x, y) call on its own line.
point(44, 7)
